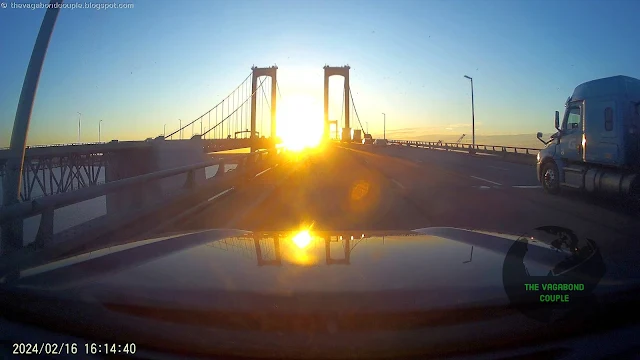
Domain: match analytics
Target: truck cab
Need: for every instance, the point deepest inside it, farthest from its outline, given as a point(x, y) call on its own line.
point(596, 147)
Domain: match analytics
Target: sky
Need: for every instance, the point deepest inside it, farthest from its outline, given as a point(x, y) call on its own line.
point(142, 67)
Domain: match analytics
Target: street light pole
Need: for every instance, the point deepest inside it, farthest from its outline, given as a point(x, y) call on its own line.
point(164, 130)
point(367, 127)
point(79, 117)
point(99, 130)
point(473, 117)
point(384, 126)
point(12, 231)
point(180, 128)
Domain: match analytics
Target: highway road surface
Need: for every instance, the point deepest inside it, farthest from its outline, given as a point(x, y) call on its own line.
point(400, 188)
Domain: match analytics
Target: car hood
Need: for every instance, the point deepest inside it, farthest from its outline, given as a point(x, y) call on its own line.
point(422, 269)
point(239, 280)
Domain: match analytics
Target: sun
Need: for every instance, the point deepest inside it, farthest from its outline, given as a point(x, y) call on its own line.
point(299, 122)
point(302, 239)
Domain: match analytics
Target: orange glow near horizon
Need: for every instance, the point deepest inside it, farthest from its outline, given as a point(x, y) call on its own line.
point(300, 122)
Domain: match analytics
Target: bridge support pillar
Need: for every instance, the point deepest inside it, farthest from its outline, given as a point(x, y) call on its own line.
point(343, 71)
point(259, 72)
point(125, 164)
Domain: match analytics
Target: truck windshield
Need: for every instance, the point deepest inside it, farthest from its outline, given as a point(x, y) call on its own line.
point(573, 118)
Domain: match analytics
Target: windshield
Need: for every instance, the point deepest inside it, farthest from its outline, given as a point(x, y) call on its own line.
point(136, 130)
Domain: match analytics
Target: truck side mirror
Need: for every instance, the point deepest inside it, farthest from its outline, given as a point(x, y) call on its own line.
point(557, 121)
point(539, 136)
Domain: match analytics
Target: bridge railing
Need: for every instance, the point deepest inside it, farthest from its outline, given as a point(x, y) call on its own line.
point(479, 148)
point(46, 206)
point(57, 145)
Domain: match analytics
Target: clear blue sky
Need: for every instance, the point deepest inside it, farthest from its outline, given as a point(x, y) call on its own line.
point(163, 60)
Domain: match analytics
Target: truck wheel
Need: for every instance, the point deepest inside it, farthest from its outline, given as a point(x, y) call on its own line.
point(550, 178)
point(634, 196)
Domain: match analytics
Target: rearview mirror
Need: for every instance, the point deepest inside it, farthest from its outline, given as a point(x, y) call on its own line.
point(557, 121)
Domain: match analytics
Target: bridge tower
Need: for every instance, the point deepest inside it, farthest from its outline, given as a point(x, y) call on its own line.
point(344, 72)
point(258, 72)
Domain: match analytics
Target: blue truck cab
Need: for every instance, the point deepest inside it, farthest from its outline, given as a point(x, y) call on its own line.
point(597, 145)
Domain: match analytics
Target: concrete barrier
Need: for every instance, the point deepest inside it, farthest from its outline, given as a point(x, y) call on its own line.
point(172, 154)
point(161, 155)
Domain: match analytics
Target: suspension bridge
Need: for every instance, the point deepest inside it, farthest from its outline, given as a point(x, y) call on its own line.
point(56, 174)
point(235, 122)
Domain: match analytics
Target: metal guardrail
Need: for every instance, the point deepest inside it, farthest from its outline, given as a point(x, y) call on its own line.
point(57, 145)
point(488, 149)
point(47, 205)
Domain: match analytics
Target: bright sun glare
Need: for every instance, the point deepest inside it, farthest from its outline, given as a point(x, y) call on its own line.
point(299, 122)
point(302, 239)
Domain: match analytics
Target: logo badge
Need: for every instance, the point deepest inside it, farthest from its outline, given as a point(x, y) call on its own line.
point(567, 270)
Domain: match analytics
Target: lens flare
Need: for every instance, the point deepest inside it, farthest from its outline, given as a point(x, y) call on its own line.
point(360, 190)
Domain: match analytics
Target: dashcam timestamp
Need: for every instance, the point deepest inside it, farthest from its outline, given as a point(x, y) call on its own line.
point(73, 349)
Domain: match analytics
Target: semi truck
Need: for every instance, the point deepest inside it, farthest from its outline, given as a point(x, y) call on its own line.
point(596, 148)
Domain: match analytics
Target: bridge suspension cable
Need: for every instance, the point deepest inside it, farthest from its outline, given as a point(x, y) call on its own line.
point(278, 87)
point(236, 109)
point(231, 95)
point(353, 104)
point(265, 98)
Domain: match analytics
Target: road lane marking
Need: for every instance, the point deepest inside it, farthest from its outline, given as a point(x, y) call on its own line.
point(499, 168)
point(527, 186)
point(262, 172)
point(397, 183)
point(489, 181)
point(220, 194)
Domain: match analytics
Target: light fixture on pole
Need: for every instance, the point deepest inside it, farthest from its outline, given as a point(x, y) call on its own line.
point(473, 118)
